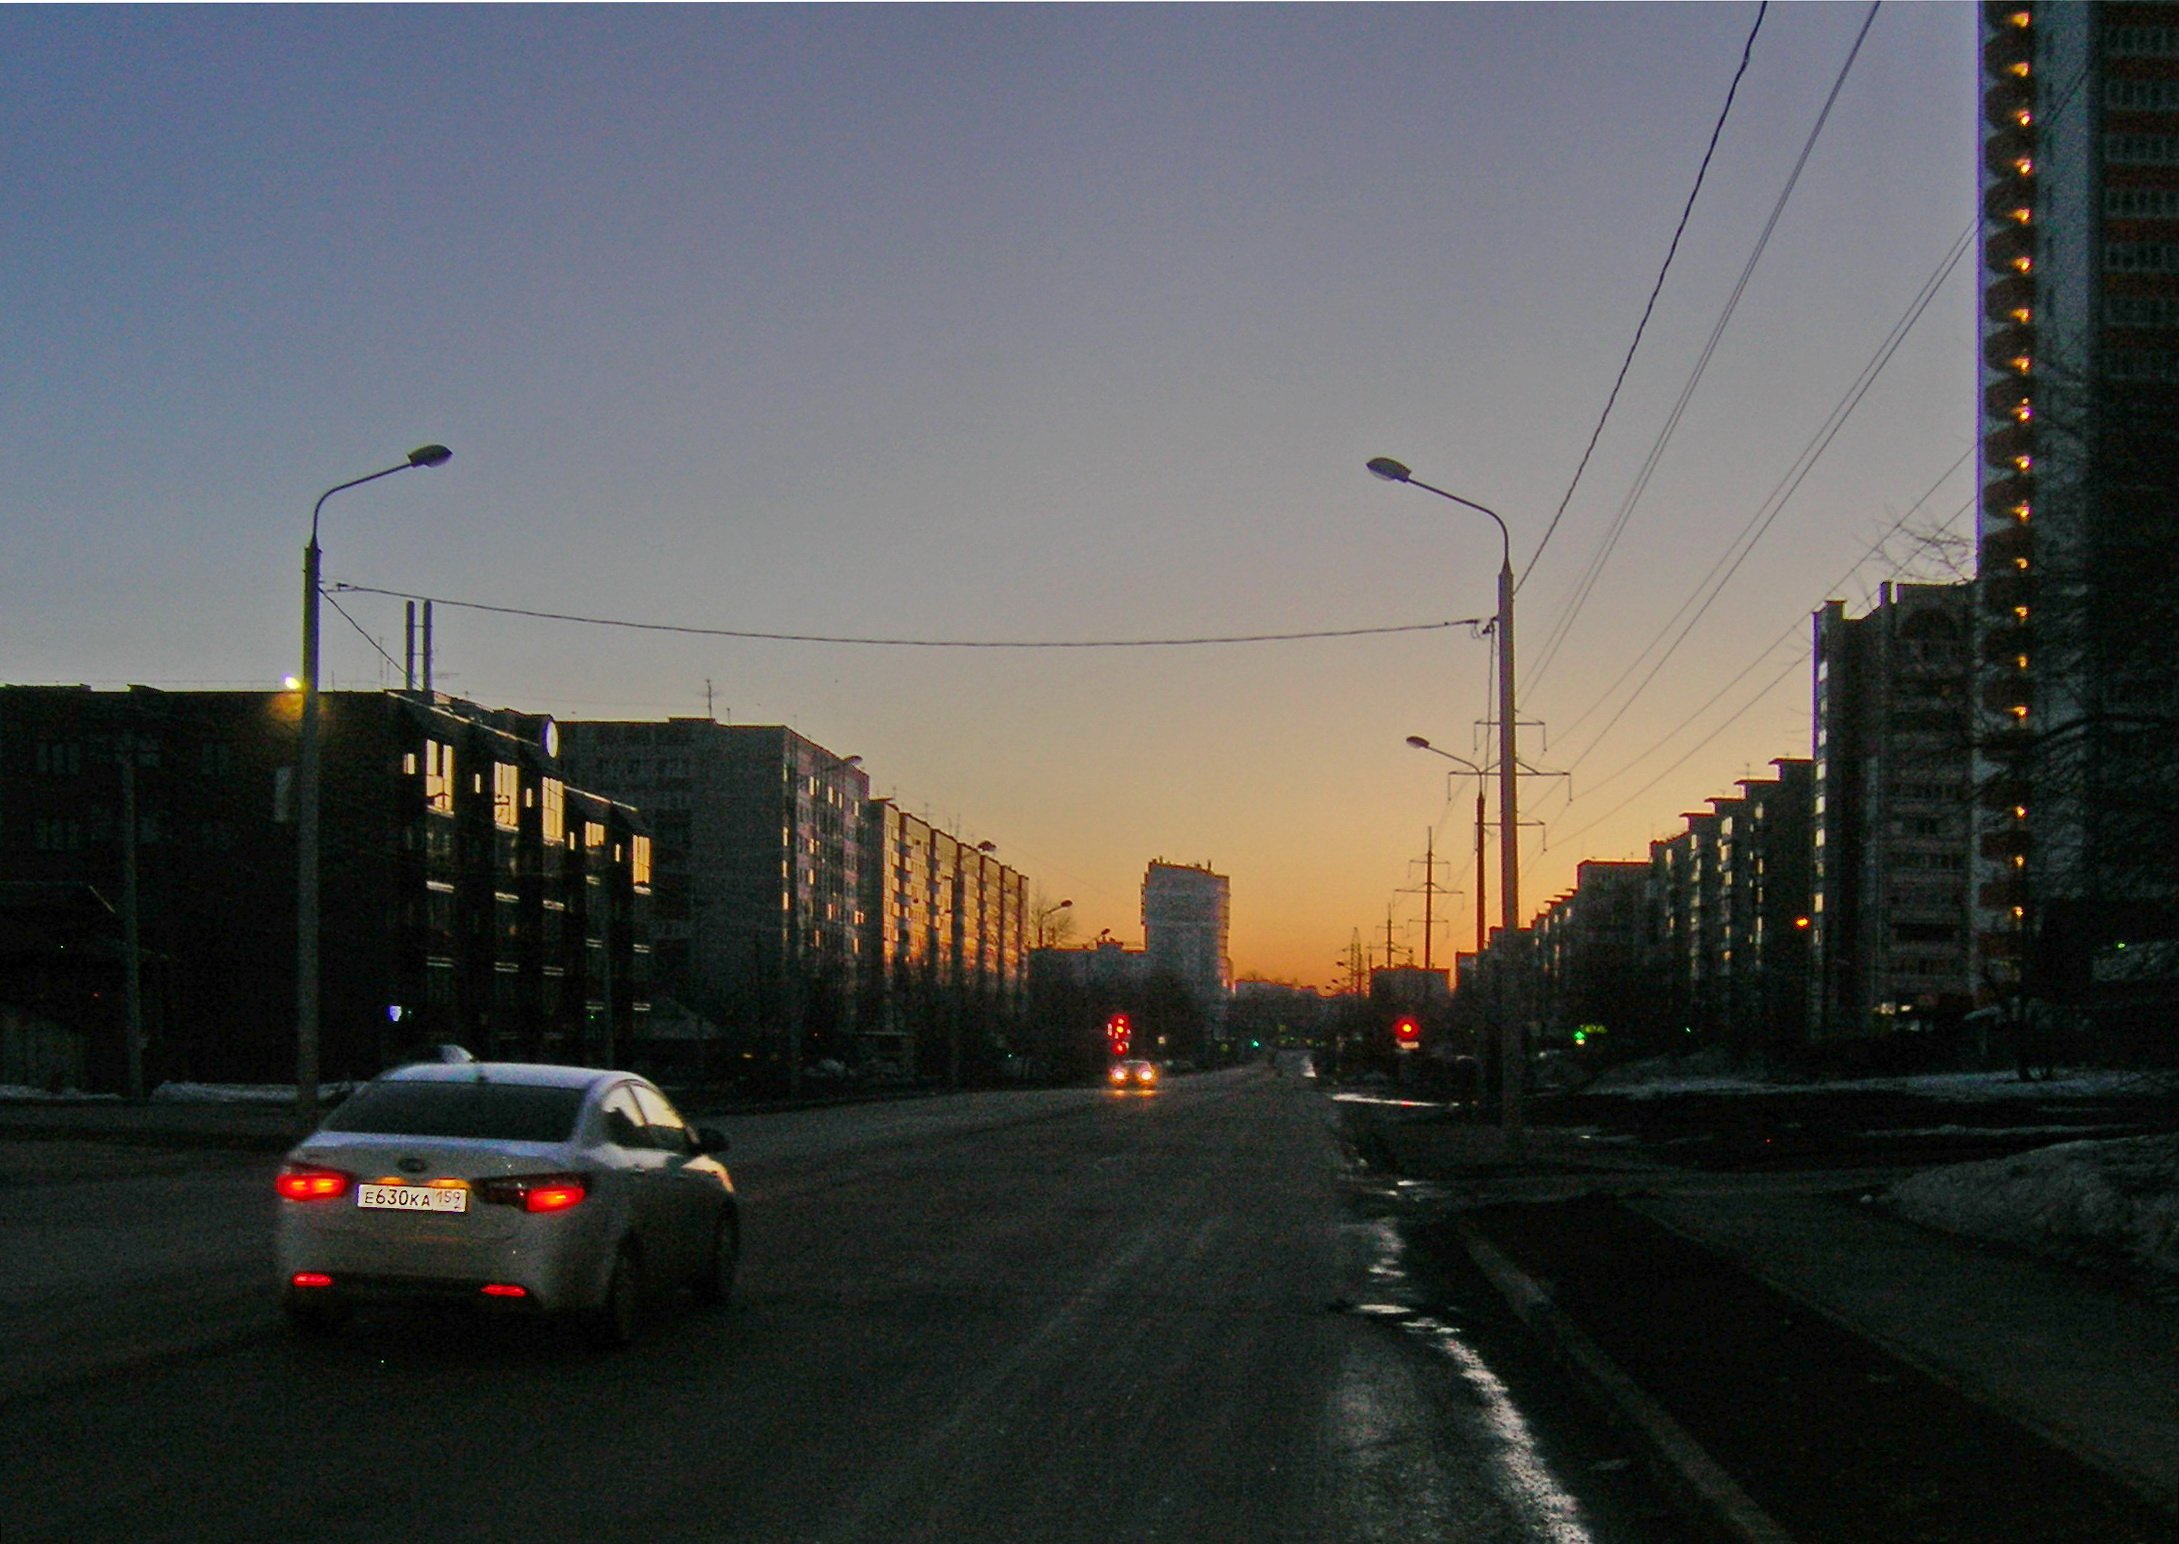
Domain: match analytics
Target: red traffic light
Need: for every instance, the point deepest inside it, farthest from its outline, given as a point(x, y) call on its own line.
point(1406, 1033)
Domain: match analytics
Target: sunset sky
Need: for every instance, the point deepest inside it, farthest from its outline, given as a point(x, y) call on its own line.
point(1015, 325)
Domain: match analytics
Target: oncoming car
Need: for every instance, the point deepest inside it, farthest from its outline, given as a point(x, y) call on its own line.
point(553, 1190)
point(1134, 1073)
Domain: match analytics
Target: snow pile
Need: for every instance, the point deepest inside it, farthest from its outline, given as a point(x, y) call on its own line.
point(23, 1091)
point(2099, 1204)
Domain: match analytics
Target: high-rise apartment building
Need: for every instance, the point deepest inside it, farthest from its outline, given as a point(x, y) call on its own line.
point(2077, 892)
point(757, 869)
point(1186, 914)
point(1893, 795)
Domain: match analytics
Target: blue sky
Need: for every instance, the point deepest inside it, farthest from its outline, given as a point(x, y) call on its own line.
point(1014, 323)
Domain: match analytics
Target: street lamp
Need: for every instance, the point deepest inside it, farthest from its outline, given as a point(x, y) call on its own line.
point(1047, 931)
point(1509, 855)
point(1482, 925)
point(306, 804)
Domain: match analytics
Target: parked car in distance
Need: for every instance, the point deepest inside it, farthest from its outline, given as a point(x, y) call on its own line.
point(563, 1191)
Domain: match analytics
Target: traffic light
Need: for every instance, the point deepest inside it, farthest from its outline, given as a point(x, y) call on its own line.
point(1118, 1034)
point(1406, 1032)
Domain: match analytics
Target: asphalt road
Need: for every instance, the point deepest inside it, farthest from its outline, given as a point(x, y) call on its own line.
point(1055, 1316)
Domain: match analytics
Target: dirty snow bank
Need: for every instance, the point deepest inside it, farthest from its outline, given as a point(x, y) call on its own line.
point(2099, 1204)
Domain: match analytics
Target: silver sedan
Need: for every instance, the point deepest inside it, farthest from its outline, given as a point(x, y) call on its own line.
point(555, 1190)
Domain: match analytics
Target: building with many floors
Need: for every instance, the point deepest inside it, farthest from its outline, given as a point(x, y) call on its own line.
point(1894, 792)
point(470, 893)
point(1186, 921)
point(2076, 889)
point(759, 923)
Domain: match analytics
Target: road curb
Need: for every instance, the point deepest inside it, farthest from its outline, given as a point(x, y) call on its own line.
point(1694, 1479)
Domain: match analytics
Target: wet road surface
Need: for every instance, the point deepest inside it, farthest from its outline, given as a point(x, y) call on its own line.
point(1065, 1316)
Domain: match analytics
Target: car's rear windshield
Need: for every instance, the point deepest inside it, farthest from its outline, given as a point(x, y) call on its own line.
point(500, 1112)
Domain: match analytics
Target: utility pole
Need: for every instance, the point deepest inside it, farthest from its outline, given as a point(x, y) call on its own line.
point(131, 928)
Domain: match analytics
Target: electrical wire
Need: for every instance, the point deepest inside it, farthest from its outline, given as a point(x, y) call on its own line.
point(1759, 524)
point(358, 626)
point(1790, 633)
point(1474, 623)
point(1747, 51)
point(1563, 627)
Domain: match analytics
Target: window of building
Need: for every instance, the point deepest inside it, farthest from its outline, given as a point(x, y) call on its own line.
point(2141, 42)
point(59, 758)
point(640, 860)
point(2142, 364)
point(2141, 149)
point(506, 795)
point(438, 776)
point(2131, 203)
point(2128, 93)
point(2141, 257)
point(555, 807)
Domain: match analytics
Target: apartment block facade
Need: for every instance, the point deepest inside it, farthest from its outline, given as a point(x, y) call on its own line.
point(949, 945)
point(1186, 924)
point(470, 893)
point(760, 922)
point(2077, 882)
point(1894, 796)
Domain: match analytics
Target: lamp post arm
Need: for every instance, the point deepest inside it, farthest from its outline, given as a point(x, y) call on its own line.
point(1505, 538)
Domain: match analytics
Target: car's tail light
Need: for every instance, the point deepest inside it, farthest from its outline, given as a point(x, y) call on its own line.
point(503, 1289)
point(306, 1182)
point(310, 1279)
point(535, 1192)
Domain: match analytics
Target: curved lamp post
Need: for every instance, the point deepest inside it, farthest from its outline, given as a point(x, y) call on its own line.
point(306, 804)
point(1509, 854)
point(1047, 927)
point(1482, 893)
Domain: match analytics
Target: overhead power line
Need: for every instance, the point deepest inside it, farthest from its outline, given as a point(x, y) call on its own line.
point(1583, 587)
point(1475, 623)
point(1730, 558)
point(1875, 548)
point(1747, 50)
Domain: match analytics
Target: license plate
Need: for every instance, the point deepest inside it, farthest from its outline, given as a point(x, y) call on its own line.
point(412, 1198)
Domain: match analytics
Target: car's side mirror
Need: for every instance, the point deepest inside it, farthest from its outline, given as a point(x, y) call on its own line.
point(709, 1139)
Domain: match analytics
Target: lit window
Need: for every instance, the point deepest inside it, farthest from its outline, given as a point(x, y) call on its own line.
point(438, 776)
point(506, 795)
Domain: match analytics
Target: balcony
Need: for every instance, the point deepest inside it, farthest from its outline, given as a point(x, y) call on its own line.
point(2004, 545)
point(2010, 401)
point(2005, 644)
point(2003, 846)
point(2008, 493)
point(2010, 202)
point(2010, 446)
point(2009, 104)
point(2010, 299)
point(2010, 249)
point(2003, 693)
point(2010, 349)
point(2005, 591)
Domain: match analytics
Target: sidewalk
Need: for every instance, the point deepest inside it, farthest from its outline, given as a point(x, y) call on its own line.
point(2088, 1362)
